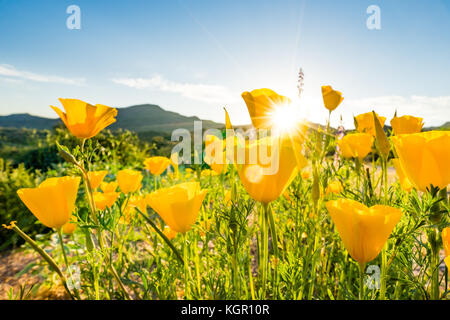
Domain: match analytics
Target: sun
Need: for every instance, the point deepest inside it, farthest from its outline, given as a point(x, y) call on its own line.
point(285, 118)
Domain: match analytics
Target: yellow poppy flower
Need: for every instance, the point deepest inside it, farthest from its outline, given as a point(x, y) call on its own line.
point(263, 179)
point(261, 105)
point(355, 145)
point(406, 124)
point(156, 165)
point(331, 98)
point(105, 200)
point(188, 173)
point(208, 172)
point(206, 225)
point(363, 230)
point(213, 144)
point(129, 180)
point(169, 233)
point(403, 179)
point(109, 186)
point(83, 120)
point(53, 201)
point(227, 197)
point(306, 174)
point(218, 163)
point(425, 158)
point(334, 187)
point(129, 210)
point(96, 178)
point(178, 205)
point(365, 123)
point(446, 242)
point(215, 156)
point(70, 226)
point(217, 167)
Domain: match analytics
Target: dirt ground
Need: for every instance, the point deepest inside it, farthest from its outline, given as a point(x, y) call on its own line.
point(13, 262)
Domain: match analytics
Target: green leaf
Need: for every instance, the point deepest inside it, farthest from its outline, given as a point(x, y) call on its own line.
point(65, 153)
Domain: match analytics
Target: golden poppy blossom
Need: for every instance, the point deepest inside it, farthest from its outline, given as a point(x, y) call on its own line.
point(355, 145)
point(278, 158)
point(425, 158)
point(331, 98)
point(178, 205)
point(262, 180)
point(96, 178)
point(129, 180)
point(406, 124)
point(208, 172)
point(227, 198)
point(403, 179)
point(109, 186)
point(261, 105)
point(365, 123)
point(129, 210)
point(306, 174)
point(363, 230)
point(53, 201)
point(84, 120)
point(157, 165)
point(217, 166)
point(105, 200)
point(215, 156)
point(169, 233)
point(446, 242)
point(70, 226)
point(334, 187)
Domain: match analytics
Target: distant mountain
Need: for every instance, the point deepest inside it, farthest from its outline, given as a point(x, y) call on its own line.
point(150, 117)
point(25, 120)
point(445, 126)
point(140, 118)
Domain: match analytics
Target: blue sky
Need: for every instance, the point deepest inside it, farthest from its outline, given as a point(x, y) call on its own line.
point(194, 57)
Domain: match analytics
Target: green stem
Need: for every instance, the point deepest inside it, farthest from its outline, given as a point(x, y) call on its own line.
point(383, 274)
point(119, 281)
point(362, 267)
point(269, 215)
point(264, 250)
point(250, 276)
point(186, 266)
point(385, 179)
point(358, 172)
point(162, 235)
point(434, 265)
point(62, 248)
point(235, 274)
point(67, 262)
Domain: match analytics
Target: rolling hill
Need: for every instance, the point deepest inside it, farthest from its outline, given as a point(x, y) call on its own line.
point(25, 120)
point(139, 118)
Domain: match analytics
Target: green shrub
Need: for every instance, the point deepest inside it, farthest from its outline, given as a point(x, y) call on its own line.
point(12, 208)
